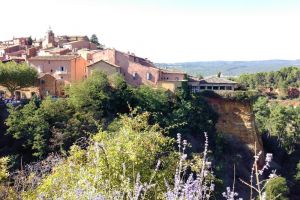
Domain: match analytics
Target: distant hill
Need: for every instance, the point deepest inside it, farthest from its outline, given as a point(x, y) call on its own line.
point(230, 68)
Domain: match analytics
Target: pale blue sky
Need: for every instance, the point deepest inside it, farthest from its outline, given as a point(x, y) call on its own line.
point(167, 30)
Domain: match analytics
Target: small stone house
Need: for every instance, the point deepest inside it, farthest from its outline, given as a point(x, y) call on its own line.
point(103, 66)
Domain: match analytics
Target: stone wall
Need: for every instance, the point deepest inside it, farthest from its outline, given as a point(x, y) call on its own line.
point(237, 120)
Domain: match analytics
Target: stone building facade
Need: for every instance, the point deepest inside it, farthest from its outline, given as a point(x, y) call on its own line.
point(64, 69)
point(136, 70)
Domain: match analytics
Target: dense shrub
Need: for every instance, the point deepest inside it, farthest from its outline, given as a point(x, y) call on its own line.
point(277, 189)
point(113, 162)
point(280, 121)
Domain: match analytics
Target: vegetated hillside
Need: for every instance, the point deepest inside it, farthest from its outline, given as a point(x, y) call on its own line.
point(109, 140)
point(230, 68)
point(283, 78)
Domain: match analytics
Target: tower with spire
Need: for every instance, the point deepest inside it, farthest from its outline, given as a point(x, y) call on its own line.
point(49, 40)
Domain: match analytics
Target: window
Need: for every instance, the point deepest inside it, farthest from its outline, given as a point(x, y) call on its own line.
point(209, 87)
point(61, 77)
point(134, 75)
point(48, 61)
point(149, 76)
point(215, 88)
point(176, 78)
point(42, 81)
point(228, 87)
point(62, 68)
point(51, 70)
point(202, 87)
point(195, 89)
point(222, 87)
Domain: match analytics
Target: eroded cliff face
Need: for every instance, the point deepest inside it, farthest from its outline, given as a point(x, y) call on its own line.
point(237, 120)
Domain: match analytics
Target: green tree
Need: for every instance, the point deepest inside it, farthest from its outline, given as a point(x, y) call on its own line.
point(277, 124)
point(282, 79)
point(44, 128)
point(152, 100)
point(262, 113)
point(297, 176)
point(15, 76)
point(277, 189)
point(122, 94)
point(92, 95)
point(283, 123)
point(28, 126)
point(94, 39)
point(195, 115)
point(29, 40)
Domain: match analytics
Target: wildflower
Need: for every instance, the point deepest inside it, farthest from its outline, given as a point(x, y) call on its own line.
point(208, 164)
point(184, 142)
point(273, 174)
point(99, 197)
point(269, 157)
point(78, 192)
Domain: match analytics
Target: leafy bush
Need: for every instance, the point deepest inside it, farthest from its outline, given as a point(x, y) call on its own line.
point(3, 168)
point(279, 121)
point(112, 162)
point(277, 189)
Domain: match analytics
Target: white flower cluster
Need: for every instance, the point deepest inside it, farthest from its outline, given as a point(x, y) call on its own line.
point(230, 194)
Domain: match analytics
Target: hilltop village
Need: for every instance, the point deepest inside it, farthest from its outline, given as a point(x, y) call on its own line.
point(62, 124)
point(62, 60)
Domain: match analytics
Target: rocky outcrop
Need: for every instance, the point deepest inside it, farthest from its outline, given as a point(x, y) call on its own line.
point(237, 120)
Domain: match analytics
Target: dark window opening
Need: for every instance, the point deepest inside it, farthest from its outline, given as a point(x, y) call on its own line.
point(134, 75)
point(149, 76)
point(202, 87)
point(222, 87)
point(209, 87)
point(215, 88)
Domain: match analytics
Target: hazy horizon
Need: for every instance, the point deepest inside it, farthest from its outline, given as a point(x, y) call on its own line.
point(167, 31)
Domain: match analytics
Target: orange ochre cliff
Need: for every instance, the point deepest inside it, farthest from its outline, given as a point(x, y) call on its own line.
point(237, 120)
